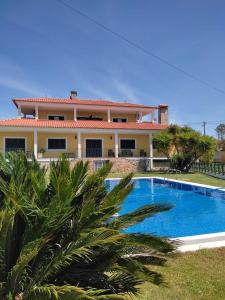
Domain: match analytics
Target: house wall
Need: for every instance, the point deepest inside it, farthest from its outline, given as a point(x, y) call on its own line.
point(108, 142)
point(69, 115)
point(27, 135)
point(141, 142)
point(129, 117)
point(71, 143)
point(43, 114)
point(89, 113)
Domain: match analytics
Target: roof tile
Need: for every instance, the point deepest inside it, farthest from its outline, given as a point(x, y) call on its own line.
point(30, 122)
point(81, 102)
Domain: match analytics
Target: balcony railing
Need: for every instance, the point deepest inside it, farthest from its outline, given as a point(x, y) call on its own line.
point(139, 152)
point(56, 153)
point(29, 154)
point(93, 153)
point(72, 153)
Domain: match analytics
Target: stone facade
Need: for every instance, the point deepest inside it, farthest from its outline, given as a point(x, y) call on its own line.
point(163, 116)
point(121, 165)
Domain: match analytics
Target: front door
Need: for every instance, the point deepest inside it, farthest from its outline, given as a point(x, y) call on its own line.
point(93, 148)
point(14, 144)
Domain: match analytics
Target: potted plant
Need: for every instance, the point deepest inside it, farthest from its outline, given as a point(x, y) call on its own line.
point(41, 153)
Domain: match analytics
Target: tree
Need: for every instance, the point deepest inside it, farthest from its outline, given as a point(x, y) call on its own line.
point(60, 239)
point(220, 129)
point(183, 146)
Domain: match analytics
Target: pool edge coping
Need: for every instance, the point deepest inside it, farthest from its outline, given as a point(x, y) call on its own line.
point(193, 242)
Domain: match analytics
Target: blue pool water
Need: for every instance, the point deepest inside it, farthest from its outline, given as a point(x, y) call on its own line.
point(197, 210)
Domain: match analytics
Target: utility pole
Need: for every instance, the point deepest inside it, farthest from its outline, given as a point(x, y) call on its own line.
point(204, 127)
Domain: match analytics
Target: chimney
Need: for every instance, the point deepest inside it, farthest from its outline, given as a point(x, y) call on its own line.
point(73, 94)
point(163, 117)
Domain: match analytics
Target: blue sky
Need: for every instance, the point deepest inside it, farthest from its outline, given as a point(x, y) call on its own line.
point(48, 50)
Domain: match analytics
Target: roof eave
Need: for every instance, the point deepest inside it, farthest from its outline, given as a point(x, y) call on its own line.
point(14, 101)
point(103, 104)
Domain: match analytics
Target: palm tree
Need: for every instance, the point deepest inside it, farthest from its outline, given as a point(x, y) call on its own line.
point(59, 238)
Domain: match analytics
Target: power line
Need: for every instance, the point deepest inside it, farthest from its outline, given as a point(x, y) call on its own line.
point(200, 122)
point(141, 48)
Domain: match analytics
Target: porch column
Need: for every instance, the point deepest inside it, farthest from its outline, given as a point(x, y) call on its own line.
point(35, 144)
point(19, 112)
point(75, 114)
point(36, 112)
point(109, 116)
point(78, 145)
point(116, 145)
point(152, 117)
point(150, 150)
point(140, 117)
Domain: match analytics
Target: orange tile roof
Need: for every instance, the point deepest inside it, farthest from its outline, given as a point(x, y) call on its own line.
point(81, 102)
point(25, 122)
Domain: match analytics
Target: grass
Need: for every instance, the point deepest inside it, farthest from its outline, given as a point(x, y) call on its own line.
point(191, 177)
point(191, 275)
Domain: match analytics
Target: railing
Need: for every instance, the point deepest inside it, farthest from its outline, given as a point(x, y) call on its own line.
point(140, 152)
point(72, 153)
point(98, 152)
point(209, 168)
point(29, 154)
point(56, 153)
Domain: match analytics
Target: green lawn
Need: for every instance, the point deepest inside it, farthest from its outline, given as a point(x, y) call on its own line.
point(192, 177)
point(192, 275)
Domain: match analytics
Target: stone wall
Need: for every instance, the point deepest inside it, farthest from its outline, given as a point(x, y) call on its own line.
point(120, 165)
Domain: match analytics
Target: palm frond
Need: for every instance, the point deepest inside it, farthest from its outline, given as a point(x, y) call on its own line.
point(29, 252)
point(150, 242)
point(53, 292)
point(138, 215)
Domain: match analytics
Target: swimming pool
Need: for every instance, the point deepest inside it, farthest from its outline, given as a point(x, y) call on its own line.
point(197, 210)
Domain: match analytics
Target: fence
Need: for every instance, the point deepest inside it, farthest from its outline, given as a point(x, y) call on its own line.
point(217, 169)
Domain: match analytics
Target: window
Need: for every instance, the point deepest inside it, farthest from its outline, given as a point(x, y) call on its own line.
point(56, 144)
point(98, 164)
point(127, 144)
point(61, 118)
point(119, 120)
point(15, 144)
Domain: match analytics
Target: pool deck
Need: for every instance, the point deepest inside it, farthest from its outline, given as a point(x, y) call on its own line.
point(198, 242)
point(195, 242)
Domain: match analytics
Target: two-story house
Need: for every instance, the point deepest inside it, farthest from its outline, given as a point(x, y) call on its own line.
point(93, 129)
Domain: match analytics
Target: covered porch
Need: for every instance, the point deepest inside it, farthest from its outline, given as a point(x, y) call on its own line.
point(48, 144)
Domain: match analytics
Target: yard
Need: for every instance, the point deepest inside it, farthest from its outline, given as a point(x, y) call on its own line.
point(191, 275)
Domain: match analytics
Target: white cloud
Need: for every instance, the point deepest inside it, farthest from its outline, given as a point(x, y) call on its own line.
point(98, 92)
point(125, 90)
point(20, 86)
point(16, 78)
